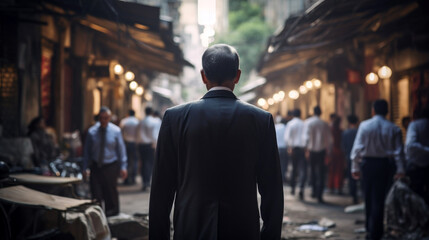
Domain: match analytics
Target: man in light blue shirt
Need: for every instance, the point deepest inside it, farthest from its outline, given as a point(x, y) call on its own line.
point(105, 156)
point(417, 153)
point(377, 141)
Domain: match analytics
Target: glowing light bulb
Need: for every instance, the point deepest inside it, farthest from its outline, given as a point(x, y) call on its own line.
point(262, 102)
point(133, 85)
point(294, 94)
point(308, 84)
point(139, 90)
point(371, 78)
point(302, 89)
point(129, 76)
point(385, 72)
point(317, 83)
point(118, 69)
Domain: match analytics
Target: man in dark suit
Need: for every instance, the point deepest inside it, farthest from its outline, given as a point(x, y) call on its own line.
point(212, 156)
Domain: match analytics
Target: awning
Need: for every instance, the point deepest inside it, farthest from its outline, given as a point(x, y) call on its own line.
point(129, 31)
point(328, 26)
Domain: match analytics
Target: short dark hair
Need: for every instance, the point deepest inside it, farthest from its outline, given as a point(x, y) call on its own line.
point(296, 112)
point(148, 111)
point(317, 110)
point(352, 119)
point(380, 107)
point(220, 63)
point(131, 112)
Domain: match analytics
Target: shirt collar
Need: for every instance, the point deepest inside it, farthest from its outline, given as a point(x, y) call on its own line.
point(379, 116)
point(220, 88)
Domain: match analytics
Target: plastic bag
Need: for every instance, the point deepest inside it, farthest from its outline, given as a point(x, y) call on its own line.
point(407, 215)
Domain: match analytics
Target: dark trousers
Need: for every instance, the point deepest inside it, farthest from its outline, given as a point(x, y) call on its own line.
point(419, 180)
point(132, 162)
point(376, 180)
point(299, 168)
point(147, 155)
point(318, 169)
point(103, 184)
point(284, 161)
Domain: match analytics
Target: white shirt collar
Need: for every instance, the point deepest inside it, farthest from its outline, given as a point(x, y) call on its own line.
point(220, 88)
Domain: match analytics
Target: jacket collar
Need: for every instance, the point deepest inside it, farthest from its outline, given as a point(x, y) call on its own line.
point(219, 94)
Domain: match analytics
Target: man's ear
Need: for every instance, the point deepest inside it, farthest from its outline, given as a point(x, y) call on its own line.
point(203, 77)
point(237, 78)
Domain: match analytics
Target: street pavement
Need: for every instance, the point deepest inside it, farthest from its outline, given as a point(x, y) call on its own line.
point(296, 213)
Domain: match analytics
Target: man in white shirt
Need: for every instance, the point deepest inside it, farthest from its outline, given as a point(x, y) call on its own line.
point(146, 139)
point(377, 142)
point(281, 145)
point(318, 140)
point(293, 138)
point(128, 126)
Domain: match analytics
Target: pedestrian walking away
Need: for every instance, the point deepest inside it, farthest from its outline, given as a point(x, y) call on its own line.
point(106, 158)
point(377, 142)
point(147, 137)
point(128, 126)
point(318, 141)
point(212, 157)
point(294, 138)
point(348, 138)
point(335, 158)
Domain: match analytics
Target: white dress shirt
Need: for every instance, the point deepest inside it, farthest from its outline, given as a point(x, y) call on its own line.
point(294, 133)
point(146, 131)
point(417, 143)
point(378, 138)
point(128, 126)
point(317, 134)
point(280, 131)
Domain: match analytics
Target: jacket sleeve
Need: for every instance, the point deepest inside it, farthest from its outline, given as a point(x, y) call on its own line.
point(270, 185)
point(164, 183)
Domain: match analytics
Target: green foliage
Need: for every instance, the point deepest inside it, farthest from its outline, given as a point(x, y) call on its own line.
point(248, 33)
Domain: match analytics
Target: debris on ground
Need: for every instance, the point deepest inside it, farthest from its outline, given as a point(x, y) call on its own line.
point(329, 234)
point(325, 222)
point(355, 208)
point(312, 227)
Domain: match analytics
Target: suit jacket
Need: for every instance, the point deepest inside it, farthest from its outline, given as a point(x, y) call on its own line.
point(212, 157)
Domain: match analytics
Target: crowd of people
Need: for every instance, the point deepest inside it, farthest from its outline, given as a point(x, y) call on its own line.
point(371, 153)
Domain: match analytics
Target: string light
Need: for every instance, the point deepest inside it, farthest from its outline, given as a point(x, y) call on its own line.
point(371, 78)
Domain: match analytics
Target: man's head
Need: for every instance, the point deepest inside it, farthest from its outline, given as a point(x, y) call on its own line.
point(221, 65)
point(380, 107)
point(104, 116)
point(296, 113)
point(317, 111)
point(148, 111)
point(352, 119)
point(131, 112)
